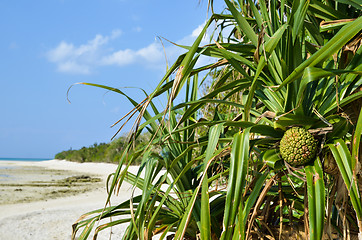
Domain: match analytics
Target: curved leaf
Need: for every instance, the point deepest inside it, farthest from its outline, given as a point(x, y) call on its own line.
point(272, 158)
point(333, 45)
point(316, 199)
point(205, 230)
point(242, 23)
point(237, 176)
point(343, 159)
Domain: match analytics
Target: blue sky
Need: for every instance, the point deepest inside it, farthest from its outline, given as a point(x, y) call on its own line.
point(46, 46)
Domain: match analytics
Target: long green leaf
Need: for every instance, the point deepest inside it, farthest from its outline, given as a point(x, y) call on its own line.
point(299, 16)
point(343, 159)
point(313, 74)
point(355, 3)
point(188, 63)
point(332, 109)
point(243, 24)
point(237, 179)
point(356, 142)
point(260, 182)
point(182, 227)
point(269, 47)
point(316, 199)
point(205, 205)
point(333, 45)
point(272, 158)
point(326, 12)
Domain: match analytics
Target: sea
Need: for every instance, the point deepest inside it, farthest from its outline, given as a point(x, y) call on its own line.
point(26, 159)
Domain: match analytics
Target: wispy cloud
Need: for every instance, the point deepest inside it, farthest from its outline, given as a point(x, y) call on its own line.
point(149, 55)
point(13, 45)
point(79, 59)
point(137, 29)
point(85, 58)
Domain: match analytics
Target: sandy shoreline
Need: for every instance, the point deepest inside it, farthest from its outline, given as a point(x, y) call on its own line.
point(52, 218)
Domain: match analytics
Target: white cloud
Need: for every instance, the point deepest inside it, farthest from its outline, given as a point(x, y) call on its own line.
point(73, 67)
point(152, 53)
point(13, 45)
point(137, 29)
point(121, 58)
point(81, 59)
point(97, 52)
point(61, 52)
point(197, 31)
point(116, 33)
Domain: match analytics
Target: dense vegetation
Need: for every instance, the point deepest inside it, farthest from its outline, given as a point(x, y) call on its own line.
point(104, 152)
point(277, 65)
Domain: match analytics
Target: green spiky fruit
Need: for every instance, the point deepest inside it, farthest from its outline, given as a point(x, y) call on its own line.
point(298, 146)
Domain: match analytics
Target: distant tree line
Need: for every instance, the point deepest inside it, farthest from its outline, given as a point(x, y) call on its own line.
point(103, 152)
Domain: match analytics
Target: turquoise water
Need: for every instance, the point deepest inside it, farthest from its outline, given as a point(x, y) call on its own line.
point(25, 159)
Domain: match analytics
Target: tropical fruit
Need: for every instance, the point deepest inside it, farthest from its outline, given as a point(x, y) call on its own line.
point(298, 146)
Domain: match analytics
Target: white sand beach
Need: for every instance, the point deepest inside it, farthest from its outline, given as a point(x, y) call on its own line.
point(52, 218)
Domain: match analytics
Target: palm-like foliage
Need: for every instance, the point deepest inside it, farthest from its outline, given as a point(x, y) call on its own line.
point(220, 176)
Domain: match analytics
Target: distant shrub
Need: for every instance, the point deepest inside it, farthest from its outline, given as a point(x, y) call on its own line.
point(103, 152)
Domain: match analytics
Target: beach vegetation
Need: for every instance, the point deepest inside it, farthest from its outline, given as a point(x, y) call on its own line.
point(104, 152)
point(219, 173)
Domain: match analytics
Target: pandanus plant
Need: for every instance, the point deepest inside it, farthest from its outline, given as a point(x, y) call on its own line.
point(278, 65)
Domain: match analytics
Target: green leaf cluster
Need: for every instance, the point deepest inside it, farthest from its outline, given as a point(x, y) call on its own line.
point(219, 173)
point(104, 152)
